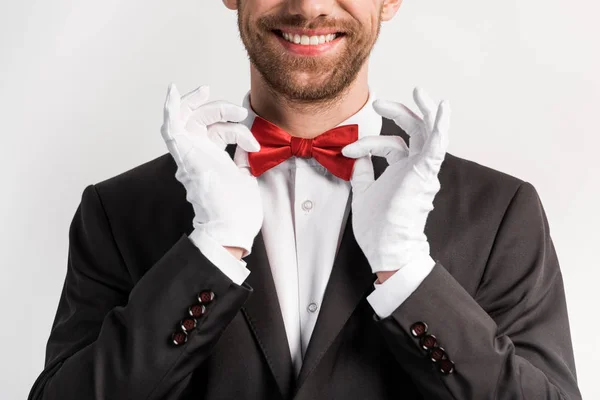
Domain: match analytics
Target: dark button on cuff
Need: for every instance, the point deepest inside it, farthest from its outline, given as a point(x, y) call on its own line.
point(437, 354)
point(206, 296)
point(418, 329)
point(197, 310)
point(188, 324)
point(179, 338)
point(428, 342)
point(446, 366)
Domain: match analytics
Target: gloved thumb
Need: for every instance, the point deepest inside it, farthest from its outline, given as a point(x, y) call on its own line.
point(363, 175)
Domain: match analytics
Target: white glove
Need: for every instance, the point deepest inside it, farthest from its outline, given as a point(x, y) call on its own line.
point(225, 197)
point(389, 214)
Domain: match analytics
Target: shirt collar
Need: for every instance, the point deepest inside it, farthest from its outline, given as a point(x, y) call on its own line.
point(368, 121)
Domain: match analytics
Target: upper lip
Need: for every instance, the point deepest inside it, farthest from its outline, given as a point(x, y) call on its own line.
point(309, 32)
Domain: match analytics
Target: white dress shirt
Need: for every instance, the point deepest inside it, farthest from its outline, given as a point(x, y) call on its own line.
point(305, 213)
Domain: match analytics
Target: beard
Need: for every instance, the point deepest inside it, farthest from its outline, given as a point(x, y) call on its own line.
point(306, 79)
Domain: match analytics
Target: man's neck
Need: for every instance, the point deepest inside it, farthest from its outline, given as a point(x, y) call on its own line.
point(307, 120)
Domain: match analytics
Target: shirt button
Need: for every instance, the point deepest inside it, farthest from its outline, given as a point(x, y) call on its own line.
point(307, 205)
point(312, 307)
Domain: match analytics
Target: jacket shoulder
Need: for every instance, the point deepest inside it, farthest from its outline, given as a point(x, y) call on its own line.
point(147, 178)
point(468, 211)
point(467, 172)
point(147, 210)
point(472, 193)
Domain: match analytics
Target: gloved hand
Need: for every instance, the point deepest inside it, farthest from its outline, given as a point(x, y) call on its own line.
point(389, 214)
point(225, 197)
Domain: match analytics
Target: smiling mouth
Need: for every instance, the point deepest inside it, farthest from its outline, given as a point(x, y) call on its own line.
point(308, 40)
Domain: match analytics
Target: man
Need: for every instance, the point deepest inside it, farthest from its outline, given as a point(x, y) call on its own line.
point(269, 256)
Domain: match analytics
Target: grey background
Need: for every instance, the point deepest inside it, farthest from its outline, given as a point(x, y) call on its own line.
point(82, 86)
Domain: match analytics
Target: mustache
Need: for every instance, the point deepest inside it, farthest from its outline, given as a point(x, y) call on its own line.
point(273, 22)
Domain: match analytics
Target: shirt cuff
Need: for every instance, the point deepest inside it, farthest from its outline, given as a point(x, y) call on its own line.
point(390, 294)
point(232, 267)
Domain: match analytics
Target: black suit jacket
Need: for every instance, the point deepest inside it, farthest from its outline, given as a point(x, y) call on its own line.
point(494, 301)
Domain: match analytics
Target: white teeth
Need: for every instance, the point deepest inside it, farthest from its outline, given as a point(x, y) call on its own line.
point(308, 40)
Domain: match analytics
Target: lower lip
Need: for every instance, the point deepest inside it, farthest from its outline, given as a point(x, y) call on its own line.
point(310, 50)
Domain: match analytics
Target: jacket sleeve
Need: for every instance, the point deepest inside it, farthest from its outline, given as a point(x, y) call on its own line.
point(511, 340)
point(111, 339)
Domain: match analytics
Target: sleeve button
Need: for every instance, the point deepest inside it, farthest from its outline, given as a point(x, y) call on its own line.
point(197, 310)
point(188, 324)
point(179, 338)
point(446, 367)
point(437, 354)
point(418, 329)
point(206, 296)
point(428, 342)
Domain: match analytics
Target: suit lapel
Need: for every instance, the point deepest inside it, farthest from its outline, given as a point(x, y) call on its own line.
point(263, 313)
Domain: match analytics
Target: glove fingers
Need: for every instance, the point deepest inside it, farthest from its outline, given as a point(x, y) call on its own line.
point(393, 148)
point(406, 119)
point(240, 158)
point(172, 126)
point(175, 153)
point(403, 116)
point(437, 145)
point(193, 100)
point(427, 107)
point(224, 133)
point(363, 175)
point(171, 120)
point(219, 111)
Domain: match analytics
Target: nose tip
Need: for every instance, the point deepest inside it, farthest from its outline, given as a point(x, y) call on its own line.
point(310, 8)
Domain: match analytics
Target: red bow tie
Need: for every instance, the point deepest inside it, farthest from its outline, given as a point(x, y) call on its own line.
point(276, 146)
